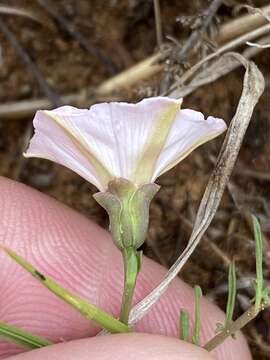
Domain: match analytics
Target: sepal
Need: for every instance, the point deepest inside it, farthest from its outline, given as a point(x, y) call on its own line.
point(128, 209)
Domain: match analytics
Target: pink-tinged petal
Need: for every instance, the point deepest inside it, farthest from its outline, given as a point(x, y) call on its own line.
point(134, 141)
point(52, 143)
point(189, 131)
point(124, 130)
point(112, 135)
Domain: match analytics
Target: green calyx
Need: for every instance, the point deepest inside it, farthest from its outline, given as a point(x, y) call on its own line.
point(128, 209)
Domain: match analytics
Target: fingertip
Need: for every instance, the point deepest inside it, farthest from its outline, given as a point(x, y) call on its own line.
point(81, 257)
point(120, 347)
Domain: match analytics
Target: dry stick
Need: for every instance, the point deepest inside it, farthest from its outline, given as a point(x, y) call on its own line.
point(266, 46)
point(254, 10)
point(158, 22)
point(218, 69)
point(251, 173)
point(227, 47)
point(242, 24)
point(84, 42)
point(24, 108)
point(196, 35)
point(142, 70)
point(17, 11)
point(45, 88)
point(252, 89)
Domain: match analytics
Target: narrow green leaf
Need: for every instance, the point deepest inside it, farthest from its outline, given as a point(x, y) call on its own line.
point(259, 263)
point(231, 294)
point(22, 337)
point(184, 325)
point(90, 311)
point(197, 324)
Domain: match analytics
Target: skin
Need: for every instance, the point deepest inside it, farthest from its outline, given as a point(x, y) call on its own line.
point(81, 257)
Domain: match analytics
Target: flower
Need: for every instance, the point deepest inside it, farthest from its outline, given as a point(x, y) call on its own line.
point(122, 148)
point(137, 142)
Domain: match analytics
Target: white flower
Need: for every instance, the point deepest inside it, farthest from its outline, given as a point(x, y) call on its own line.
point(137, 142)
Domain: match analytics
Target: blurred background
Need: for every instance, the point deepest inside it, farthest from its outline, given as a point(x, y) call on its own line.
point(49, 49)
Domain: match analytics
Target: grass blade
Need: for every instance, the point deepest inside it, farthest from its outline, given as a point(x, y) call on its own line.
point(184, 325)
point(259, 263)
point(22, 337)
point(197, 324)
point(231, 294)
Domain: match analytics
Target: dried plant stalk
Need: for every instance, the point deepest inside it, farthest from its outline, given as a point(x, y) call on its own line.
point(222, 50)
point(19, 11)
point(242, 24)
point(218, 69)
point(252, 89)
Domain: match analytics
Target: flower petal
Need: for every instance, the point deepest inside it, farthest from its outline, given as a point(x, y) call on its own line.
point(124, 129)
point(189, 131)
point(101, 143)
point(137, 142)
point(156, 141)
point(51, 142)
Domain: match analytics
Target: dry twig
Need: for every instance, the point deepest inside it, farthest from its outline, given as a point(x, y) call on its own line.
point(266, 46)
point(158, 22)
point(218, 69)
point(256, 11)
point(227, 47)
point(242, 25)
point(12, 10)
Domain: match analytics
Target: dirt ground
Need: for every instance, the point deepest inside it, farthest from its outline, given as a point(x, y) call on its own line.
point(125, 33)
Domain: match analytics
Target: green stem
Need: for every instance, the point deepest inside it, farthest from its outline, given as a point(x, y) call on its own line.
point(131, 259)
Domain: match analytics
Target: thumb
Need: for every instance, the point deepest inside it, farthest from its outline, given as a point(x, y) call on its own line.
point(133, 346)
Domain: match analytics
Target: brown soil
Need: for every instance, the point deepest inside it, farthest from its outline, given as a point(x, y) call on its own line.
point(125, 32)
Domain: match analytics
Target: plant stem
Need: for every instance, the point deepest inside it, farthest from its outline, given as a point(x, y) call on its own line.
point(131, 259)
point(235, 326)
